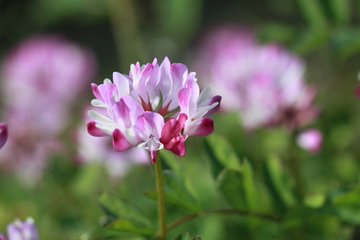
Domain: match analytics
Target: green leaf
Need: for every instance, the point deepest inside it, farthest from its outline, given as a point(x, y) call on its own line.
point(231, 184)
point(221, 154)
point(346, 42)
point(238, 186)
point(186, 236)
point(340, 11)
point(276, 32)
point(123, 216)
point(279, 185)
point(176, 193)
point(310, 40)
point(350, 199)
point(313, 13)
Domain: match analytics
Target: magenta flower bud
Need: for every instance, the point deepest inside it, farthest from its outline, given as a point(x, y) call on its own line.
point(154, 107)
point(310, 140)
point(22, 230)
point(3, 134)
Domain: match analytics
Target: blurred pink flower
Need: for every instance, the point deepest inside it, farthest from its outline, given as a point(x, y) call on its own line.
point(264, 83)
point(21, 230)
point(310, 140)
point(42, 77)
point(153, 107)
point(98, 150)
point(3, 134)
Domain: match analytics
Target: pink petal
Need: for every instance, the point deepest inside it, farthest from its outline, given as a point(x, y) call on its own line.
point(177, 146)
point(96, 92)
point(172, 128)
point(184, 96)
point(153, 156)
point(3, 134)
point(205, 127)
point(120, 143)
point(216, 108)
point(93, 130)
point(357, 91)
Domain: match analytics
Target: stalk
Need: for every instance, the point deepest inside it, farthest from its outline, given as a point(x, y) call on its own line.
point(161, 198)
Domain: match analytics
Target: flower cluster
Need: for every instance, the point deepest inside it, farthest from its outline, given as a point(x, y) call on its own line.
point(154, 107)
point(37, 76)
point(263, 83)
point(21, 231)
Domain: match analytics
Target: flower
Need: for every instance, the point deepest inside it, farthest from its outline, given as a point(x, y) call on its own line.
point(153, 107)
point(21, 230)
point(3, 134)
point(263, 83)
point(42, 76)
point(310, 140)
point(97, 150)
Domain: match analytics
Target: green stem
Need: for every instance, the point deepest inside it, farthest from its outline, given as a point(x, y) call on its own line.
point(222, 211)
point(161, 198)
point(294, 165)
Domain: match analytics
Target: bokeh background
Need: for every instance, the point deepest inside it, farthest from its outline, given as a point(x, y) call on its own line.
point(62, 198)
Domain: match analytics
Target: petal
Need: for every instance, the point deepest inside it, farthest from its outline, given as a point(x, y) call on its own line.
point(200, 127)
point(96, 92)
point(3, 237)
point(93, 130)
point(121, 83)
point(177, 146)
point(215, 99)
point(120, 143)
point(172, 128)
point(3, 134)
point(184, 96)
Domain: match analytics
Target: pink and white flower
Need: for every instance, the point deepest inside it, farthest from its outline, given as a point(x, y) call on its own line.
point(263, 83)
point(42, 77)
point(21, 230)
point(142, 108)
point(310, 140)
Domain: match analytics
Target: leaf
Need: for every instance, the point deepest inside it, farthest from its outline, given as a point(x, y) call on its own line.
point(186, 236)
point(313, 13)
point(346, 42)
point(238, 186)
point(221, 154)
point(123, 216)
point(279, 185)
point(340, 11)
point(231, 185)
point(310, 40)
point(176, 192)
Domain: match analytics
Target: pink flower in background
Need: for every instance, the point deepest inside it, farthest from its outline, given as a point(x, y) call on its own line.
point(41, 79)
point(21, 231)
point(98, 150)
point(310, 140)
point(3, 134)
point(264, 83)
point(153, 107)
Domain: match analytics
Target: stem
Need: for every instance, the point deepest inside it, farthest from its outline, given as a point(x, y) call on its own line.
point(221, 211)
point(294, 165)
point(161, 198)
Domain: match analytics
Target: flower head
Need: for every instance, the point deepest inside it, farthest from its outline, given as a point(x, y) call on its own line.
point(21, 230)
point(263, 83)
point(310, 140)
point(42, 76)
point(153, 107)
